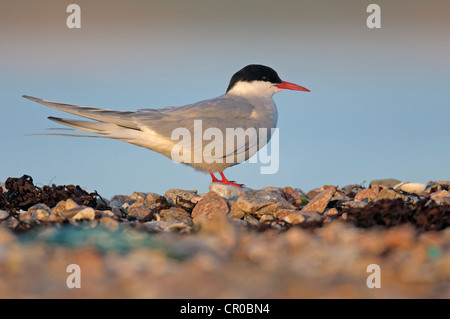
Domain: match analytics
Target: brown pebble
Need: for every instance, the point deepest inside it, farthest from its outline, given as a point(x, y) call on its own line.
point(320, 201)
point(210, 205)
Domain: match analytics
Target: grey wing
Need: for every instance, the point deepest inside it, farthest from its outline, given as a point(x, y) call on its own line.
point(121, 118)
point(110, 124)
point(153, 128)
point(221, 113)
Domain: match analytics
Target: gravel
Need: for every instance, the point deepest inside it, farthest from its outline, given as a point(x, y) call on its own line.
point(270, 243)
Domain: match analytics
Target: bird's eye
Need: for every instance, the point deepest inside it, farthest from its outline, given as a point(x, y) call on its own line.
point(265, 78)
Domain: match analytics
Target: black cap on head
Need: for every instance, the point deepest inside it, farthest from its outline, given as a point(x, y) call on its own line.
point(254, 72)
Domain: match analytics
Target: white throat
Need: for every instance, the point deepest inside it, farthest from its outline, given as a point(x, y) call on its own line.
point(261, 89)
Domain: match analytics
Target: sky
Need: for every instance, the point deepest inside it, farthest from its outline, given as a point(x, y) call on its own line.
point(378, 107)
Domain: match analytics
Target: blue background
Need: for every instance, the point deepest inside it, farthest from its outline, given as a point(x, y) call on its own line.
point(378, 107)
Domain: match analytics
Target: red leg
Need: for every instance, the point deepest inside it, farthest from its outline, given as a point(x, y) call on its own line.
point(214, 179)
point(224, 180)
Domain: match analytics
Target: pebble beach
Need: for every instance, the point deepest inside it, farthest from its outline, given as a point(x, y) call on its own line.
point(227, 243)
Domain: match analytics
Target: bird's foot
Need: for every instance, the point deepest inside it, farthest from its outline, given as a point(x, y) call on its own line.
point(231, 183)
point(224, 180)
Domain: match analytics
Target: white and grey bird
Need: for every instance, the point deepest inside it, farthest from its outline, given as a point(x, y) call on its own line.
point(246, 104)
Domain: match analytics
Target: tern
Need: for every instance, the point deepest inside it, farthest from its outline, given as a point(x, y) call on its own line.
point(247, 104)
